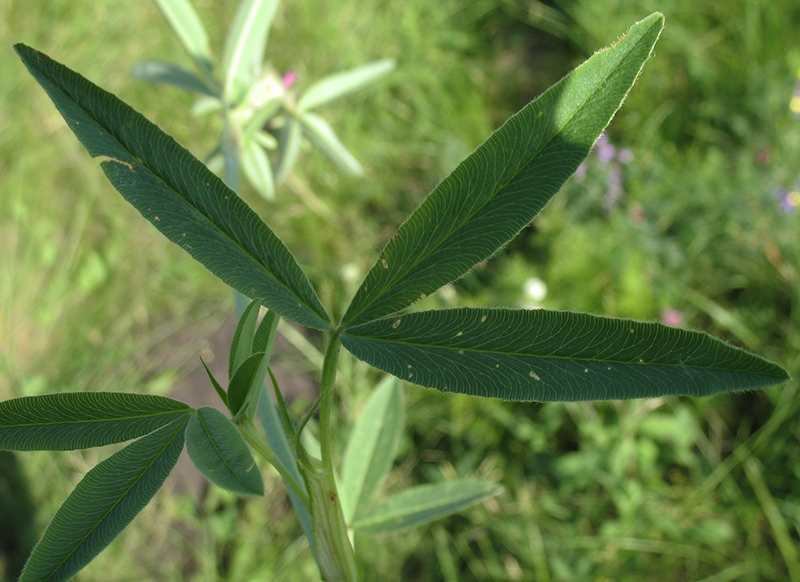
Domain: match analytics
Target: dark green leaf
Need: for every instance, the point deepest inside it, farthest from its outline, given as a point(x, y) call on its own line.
point(500, 187)
point(79, 420)
point(247, 383)
point(104, 503)
point(371, 447)
point(220, 453)
point(219, 389)
point(554, 356)
point(179, 195)
point(169, 74)
point(424, 503)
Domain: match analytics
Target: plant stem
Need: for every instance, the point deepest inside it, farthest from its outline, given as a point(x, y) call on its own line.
point(335, 552)
point(259, 443)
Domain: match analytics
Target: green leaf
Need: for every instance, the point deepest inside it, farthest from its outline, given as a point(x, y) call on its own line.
point(337, 85)
point(185, 24)
point(288, 148)
point(278, 442)
point(220, 453)
point(423, 503)
point(104, 503)
point(246, 42)
point(247, 383)
point(501, 186)
point(179, 195)
point(265, 334)
point(242, 342)
point(170, 74)
point(255, 164)
point(217, 388)
point(371, 447)
point(79, 420)
point(544, 356)
point(322, 135)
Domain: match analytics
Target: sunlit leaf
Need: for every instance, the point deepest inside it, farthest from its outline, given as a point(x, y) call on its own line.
point(79, 420)
point(220, 453)
point(371, 447)
point(186, 25)
point(104, 503)
point(321, 134)
point(179, 195)
point(337, 85)
point(501, 186)
point(256, 166)
point(539, 355)
point(423, 503)
point(288, 148)
point(246, 42)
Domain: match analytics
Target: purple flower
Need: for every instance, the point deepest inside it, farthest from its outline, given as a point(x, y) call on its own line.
point(289, 79)
point(605, 151)
point(672, 317)
point(788, 201)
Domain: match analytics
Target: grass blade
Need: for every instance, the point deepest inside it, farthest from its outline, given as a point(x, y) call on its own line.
point(179, 195)
point(104, 503)
point(423, 503)
point(80, 420)
point(545, 356)
point(501, 186)
point(220, 453)
point(371, 447)
point(246, 42)
point(337, 85)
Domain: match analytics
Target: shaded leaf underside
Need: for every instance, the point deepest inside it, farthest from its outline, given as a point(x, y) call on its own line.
point(539, 355)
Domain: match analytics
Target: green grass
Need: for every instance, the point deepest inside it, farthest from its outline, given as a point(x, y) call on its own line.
point(91, 297)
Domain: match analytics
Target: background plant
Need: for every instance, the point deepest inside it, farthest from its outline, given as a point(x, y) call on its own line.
point(484, 65)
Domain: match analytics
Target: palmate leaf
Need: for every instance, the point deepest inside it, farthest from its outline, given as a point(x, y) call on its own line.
point(104, 503)
point(80, 420)
point(179, 195)
point(220, 453)
point(539, 355)
point(500, 187)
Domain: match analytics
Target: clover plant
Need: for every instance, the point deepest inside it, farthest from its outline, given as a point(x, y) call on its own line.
point(512, 354)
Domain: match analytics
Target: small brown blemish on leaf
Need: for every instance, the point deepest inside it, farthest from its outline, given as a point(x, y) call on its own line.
point(534, 375)
point(586, 370)
point(461, 352)
point(410, 375)
point(396, 323)
point(483, 318)
point(332, 496)
point(384, 262)
point(641, 361)
point(459, 334)
point(632, 331)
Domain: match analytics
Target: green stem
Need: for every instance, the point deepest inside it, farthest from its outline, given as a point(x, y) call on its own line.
point(259, 443)
point(336, 557)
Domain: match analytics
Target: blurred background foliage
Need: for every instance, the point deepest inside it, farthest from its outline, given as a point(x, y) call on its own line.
point(688, 211)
